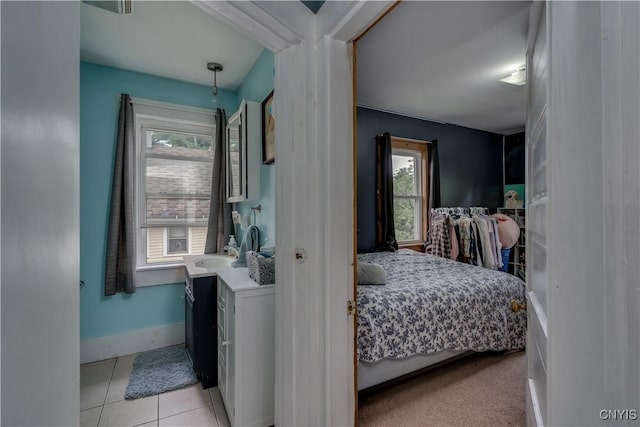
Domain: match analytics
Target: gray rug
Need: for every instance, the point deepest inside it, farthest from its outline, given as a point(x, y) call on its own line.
point(160, 370)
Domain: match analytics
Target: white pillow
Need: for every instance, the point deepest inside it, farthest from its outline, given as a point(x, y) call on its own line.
point(370, 273)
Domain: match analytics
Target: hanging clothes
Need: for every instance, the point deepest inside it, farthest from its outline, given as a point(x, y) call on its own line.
point(467, 235)
point(440, 237)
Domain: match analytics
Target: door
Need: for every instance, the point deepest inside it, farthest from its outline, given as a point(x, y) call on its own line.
point(40, 213)
point(189, 326)
point(223, 340)
point(537, 201)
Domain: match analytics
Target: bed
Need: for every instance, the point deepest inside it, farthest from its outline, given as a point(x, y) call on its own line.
point(432, 309)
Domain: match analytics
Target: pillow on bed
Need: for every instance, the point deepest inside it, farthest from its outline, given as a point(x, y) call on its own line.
point(370, 273)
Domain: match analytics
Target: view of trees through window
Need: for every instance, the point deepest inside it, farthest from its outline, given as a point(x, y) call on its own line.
point(405, 197)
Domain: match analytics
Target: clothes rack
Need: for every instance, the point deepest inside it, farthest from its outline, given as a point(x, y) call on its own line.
point(465, 234)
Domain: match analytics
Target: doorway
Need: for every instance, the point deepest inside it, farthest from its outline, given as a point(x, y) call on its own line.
point(427, 91)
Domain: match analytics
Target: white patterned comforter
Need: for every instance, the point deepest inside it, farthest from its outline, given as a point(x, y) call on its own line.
point(431, 304)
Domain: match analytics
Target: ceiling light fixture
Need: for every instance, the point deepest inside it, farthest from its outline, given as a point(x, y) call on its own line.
point(121, 7)
point(518, 77)
point(215, 67)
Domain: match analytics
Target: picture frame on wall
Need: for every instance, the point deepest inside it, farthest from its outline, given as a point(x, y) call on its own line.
point(268, 131)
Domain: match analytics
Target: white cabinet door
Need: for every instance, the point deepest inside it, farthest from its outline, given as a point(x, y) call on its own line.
point(226, 326)
point(246, 356)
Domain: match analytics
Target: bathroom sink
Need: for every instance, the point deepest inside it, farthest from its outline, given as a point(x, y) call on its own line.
point(206, 265)
point(212, 263)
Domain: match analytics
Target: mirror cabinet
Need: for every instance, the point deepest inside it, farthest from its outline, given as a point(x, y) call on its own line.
point(243, 153)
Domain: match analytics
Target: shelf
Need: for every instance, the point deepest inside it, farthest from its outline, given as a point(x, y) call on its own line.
point(517, 267)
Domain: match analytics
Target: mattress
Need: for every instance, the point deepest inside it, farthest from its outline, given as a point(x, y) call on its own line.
point(430, 304)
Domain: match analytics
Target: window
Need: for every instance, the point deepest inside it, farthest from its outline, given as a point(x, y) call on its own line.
point(410, 190)
point(174, 147)
point(177, 240)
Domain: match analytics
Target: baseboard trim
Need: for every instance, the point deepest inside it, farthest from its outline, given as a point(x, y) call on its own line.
point(94, 349)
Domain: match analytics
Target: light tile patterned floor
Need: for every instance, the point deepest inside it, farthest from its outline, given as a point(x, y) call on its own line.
point(102, 403)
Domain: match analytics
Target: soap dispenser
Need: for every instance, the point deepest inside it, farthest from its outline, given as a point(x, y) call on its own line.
point(232, 242)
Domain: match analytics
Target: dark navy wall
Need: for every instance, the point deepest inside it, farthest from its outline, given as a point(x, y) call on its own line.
point(470, 164)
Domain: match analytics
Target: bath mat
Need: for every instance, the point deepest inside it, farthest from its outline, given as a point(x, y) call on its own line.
point(160, 370)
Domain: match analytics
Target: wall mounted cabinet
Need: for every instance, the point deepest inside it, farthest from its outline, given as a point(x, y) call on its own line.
point(243, 153)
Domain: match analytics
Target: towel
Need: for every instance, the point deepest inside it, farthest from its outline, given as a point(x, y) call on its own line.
point(250, 242)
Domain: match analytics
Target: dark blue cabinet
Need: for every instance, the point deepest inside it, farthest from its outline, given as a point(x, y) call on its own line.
point(201, 333)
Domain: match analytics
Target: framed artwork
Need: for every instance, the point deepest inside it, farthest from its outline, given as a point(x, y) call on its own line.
point(268, 131)
point(514, 196)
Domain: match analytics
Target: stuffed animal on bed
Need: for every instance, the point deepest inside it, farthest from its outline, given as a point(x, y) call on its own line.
point(508, 230)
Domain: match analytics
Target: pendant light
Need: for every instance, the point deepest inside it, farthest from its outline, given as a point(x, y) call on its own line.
point(215, 67)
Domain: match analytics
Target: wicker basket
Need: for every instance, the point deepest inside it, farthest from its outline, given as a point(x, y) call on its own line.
point(262, 270)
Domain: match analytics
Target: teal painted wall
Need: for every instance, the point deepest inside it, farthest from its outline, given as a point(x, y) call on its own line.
point(99, 90)
point(256, 87)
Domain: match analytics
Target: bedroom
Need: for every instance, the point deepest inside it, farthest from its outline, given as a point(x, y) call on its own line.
point(595, 158)
point(444, 85)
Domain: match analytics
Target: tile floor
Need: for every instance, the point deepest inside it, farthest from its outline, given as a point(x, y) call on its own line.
point(102, 403)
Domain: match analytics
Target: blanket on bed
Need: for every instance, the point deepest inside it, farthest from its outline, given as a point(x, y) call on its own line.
point(431, 304)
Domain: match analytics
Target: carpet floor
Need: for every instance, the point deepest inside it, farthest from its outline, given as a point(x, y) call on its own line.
point(479, 390)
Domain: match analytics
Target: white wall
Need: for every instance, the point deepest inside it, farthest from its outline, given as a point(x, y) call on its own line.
point(40, 213)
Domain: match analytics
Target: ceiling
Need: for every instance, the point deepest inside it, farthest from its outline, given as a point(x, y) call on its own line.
point(441, 61)
point(173, 39)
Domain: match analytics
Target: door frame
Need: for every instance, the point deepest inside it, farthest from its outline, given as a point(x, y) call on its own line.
point(313, 105)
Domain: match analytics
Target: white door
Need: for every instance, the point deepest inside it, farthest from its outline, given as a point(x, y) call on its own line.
point(583, 185)
point(537, 201)
point(40, 213)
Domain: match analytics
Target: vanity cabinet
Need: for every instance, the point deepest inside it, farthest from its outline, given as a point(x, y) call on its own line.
point(244, 153)
point(200, 328)
point(246, 348)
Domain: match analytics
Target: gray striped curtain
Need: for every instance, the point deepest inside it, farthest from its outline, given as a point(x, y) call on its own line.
point(120, 260)
point(219, 227)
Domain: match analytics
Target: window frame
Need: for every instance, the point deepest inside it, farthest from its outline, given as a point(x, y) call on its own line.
point(405, 145)
point(161, 116)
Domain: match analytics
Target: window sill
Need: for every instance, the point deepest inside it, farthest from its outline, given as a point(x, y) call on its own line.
point(416, 246)
point(155, 275)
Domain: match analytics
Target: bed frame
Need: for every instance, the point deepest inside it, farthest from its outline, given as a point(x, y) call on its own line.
point(372, 374)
